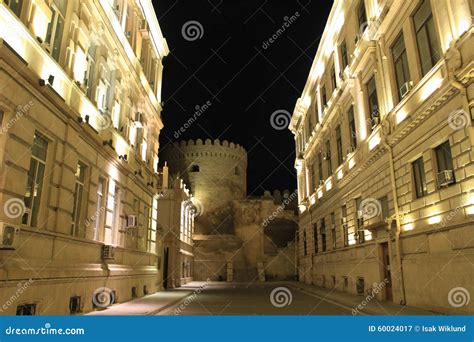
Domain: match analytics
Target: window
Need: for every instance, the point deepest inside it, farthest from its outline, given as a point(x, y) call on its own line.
point(315, 238)
point(34, 187)
point(340, 156)
point(324, 98)
point(77, 205)
point(333, 78)
point(352, 129)
point(152, 226)
point(116, 216)
point(362, 16)
point(320, 168)
point(15, 6)
point(419, 178)
point(75, 304)
point(195, 168)
point(55, 30)
point(400, 61)
point(345, 226)
point(345, 60)
point(100, 207)
point(444, 163)
point(26, 310)
point(304, 243)
point(373, 102)
point(384, 205)
point(322, 230)
point(333, 231)
point(360, 233)
point(428, 46)
point(89, 74)
point(328, 157)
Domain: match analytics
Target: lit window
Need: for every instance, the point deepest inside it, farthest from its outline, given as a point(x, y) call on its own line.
point(419, 177)
point(345, 226)
point(329, 157)
point(324, 98)
point(152, 226)
point(428, 45)
point(34, 186)
point(333, 78)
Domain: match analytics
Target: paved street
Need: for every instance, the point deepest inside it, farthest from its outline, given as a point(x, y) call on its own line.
point(286, 298)
point(239, 299)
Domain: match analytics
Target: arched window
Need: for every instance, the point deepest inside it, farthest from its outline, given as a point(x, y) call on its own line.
point(195, 168)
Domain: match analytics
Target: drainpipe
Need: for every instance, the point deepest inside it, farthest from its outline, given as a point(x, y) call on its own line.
point(397, 220)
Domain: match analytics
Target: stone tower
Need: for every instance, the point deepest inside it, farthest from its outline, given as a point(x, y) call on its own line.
point(216, 173)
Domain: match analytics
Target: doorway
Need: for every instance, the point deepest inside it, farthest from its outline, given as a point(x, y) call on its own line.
point(387, 271)
point(165, 268)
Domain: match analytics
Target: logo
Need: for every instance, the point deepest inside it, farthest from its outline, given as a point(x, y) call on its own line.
point(192, 30)
point(280, 119)
point(281, 297)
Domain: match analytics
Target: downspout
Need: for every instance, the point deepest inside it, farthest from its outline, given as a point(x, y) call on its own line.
point(397, 220)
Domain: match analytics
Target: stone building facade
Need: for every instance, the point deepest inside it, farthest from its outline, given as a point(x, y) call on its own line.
point(176, 221)
point(236, 238)
point(80, 108)
point(385, 153)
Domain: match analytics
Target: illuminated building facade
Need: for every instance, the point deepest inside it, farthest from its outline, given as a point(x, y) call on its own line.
point(176, 221)
point(385, 153)
point(80, 106)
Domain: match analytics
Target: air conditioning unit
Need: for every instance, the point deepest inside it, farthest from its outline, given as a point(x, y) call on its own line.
point(375, 121)
point(8, 236)
point(405, 89)
point(108, 252)
point(446, 178)
point(131, 221)
point(138, 120)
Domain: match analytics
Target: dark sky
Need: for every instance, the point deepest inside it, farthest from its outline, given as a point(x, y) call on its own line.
point(244, 81)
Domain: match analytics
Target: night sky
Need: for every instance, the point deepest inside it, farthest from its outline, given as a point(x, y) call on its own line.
point(232, 64)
